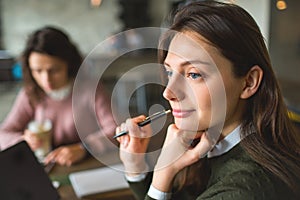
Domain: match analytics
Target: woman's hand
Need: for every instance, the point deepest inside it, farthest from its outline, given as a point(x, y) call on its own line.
point(33, 140)
point(177, 154)
point(66, 155)
point(133, 146)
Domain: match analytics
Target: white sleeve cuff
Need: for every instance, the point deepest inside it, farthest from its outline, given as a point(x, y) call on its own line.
point(157, 194)
point(136, 178)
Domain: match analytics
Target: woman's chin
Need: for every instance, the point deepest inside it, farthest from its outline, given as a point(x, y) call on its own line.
point(47, 89)
point(189, 127)
point(186, 125)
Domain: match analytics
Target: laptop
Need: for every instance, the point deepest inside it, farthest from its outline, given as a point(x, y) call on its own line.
point(23, 177)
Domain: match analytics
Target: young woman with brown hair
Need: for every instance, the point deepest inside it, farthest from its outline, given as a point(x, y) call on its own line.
point(250, 149)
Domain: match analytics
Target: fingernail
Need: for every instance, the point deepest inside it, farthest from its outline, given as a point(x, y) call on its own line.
point(125, 142)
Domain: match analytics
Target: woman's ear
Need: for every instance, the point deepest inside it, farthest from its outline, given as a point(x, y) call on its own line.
point(252, 82)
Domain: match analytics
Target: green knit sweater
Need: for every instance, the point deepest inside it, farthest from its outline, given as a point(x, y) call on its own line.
point(234, 175)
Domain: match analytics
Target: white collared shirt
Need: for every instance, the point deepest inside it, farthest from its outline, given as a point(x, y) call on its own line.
point(222, 147)
point(61, 93)
point(230, 141)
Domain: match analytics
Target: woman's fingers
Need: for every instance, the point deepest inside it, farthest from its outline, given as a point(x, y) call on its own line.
point(118, 130)
point(133, 145)
point(137, 137)
point(66, 155)
point(51, 157)
point(183, 148)
point(204, 145)
point(134, 129)
point(33, 140)
point(194, 154)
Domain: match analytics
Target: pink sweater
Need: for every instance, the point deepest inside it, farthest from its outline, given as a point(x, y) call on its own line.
point(65, 130)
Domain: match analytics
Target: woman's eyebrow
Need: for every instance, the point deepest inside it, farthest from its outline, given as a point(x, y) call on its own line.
point(166, 64)
point(191, 62)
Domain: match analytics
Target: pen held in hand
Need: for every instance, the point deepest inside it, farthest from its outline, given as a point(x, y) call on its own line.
point(147, 120)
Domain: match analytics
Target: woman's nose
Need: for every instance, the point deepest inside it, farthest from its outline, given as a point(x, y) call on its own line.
point(45, 76)
point(168, 94)
point(174, 90)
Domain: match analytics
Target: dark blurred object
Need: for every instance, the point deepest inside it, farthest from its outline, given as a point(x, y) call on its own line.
point(6, 65)
point(23, 177)
point(134, 13)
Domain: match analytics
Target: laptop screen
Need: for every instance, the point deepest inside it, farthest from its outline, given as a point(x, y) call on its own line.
point(23, 177)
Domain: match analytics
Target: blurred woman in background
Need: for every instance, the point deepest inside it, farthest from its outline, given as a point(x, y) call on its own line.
point(50, 63)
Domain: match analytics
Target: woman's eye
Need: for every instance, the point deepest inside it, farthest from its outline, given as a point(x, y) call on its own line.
point(38, 71)
point(52, 71)
point(194, 75)
point(169, 73)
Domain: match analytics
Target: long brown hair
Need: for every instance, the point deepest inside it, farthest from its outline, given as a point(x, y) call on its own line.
point(54, 42)
point(275, 143)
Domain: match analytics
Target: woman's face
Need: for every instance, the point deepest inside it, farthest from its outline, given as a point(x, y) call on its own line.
point(201, 89)
point(50, 73)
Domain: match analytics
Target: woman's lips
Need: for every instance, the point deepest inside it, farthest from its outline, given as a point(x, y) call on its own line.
point(181, 113)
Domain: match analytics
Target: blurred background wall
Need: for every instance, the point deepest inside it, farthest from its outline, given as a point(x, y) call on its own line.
point(86, 24)
point(89, 25)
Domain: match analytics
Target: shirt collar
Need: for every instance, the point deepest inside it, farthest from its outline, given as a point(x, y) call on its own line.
point(61, 93)
point(230, 141)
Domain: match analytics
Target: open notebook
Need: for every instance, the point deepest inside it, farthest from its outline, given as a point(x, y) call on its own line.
point(23, 177)
point(98, 180)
